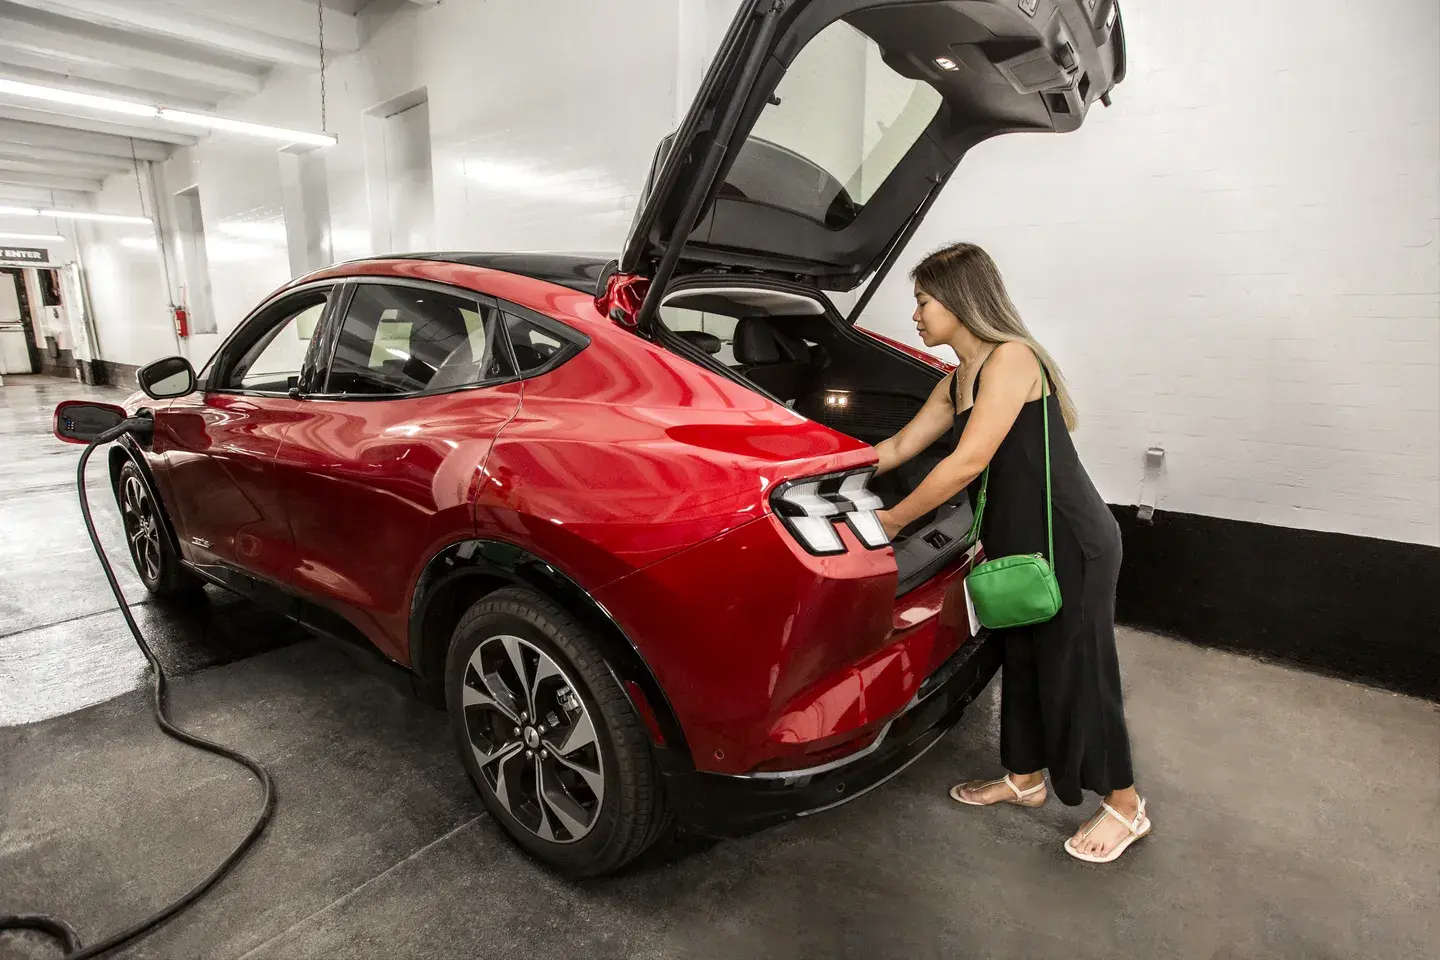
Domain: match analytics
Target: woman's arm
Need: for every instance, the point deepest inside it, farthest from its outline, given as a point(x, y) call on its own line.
point(1011, 374)
point(925, 428)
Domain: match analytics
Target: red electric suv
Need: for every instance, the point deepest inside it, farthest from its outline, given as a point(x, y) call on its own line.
point(618, 517)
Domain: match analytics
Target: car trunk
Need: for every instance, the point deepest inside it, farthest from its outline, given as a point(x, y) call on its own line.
point(795, 349)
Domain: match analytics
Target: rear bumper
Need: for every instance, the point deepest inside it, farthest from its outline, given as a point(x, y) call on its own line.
point(723, 805)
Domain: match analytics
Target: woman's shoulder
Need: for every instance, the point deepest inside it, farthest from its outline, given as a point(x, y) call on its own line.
point(1012, 363)
point(1012, 353)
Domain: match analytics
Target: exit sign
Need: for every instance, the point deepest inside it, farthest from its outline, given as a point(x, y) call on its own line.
point(33, 254)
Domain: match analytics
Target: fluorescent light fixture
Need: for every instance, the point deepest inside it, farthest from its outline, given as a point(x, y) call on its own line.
point(945, 63)
point(37, 237)
point(157, 112)
point(245, 127)
point(99, 217)
point(74, 215)
point(75, 98)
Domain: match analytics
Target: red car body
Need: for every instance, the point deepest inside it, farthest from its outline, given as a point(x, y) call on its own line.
point(634, 482)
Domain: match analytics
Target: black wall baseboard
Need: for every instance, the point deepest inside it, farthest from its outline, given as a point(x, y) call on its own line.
point(1359, 608)
point(117, 374)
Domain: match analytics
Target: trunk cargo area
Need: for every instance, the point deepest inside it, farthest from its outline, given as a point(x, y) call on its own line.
point(832, 374)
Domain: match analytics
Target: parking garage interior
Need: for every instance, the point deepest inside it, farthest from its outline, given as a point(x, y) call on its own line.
point(1237, 273)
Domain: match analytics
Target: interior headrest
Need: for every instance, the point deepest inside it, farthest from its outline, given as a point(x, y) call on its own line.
point(705, 341)
point(755, 341)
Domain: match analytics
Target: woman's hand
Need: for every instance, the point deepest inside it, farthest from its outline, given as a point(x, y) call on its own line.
point(892, 526)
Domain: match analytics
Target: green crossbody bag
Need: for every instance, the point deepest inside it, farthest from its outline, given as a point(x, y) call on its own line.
point(1019, 590)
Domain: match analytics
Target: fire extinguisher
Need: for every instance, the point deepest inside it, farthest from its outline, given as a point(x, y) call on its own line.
point(182, 322)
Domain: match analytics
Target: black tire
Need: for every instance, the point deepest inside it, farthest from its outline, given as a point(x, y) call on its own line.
point(151, 551)
point(632, 812)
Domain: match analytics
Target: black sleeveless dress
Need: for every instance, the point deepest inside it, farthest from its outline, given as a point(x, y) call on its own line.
point(1061, 707)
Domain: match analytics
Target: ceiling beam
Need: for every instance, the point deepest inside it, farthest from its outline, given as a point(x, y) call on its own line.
point(73, 41)
point(295, 20)
point(91, 161)
point(80, 141)
point(160, 131)
point(23, 179)
point(14, 195)
point(180, 21)
point(103, 81)
point(70, 167)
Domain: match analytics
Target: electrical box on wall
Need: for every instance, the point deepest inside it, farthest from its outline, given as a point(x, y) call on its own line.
point(1150, 485)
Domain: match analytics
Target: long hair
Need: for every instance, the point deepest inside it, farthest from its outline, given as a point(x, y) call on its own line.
point(967, 282)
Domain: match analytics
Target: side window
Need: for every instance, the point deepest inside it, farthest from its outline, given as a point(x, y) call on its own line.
point(400, 340)
point(272, 363)
point(536, 348)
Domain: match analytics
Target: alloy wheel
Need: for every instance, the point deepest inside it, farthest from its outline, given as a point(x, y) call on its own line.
point(142, 528)
point(533, 739)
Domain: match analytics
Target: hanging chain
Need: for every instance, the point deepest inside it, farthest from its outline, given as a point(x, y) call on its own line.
point(135, 163)
point(320, 14)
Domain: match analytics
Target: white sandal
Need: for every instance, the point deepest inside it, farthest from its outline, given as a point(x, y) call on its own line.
point(1020, 795)
point(1138, 828)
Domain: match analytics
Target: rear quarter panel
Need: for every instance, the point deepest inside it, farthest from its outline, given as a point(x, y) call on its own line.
point(628, 454)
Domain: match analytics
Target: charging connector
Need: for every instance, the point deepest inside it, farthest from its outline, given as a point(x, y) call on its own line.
point(144, 426)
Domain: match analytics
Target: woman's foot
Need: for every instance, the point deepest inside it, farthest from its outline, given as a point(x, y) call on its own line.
point(1024, 789)
point(1106, 835)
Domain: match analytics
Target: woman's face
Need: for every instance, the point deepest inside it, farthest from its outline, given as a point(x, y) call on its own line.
point(934, 322)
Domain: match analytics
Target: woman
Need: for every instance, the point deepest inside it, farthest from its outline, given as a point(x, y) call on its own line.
point(1060, 709)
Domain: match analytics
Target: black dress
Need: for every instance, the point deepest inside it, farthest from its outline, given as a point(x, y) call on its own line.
point(1060, 703)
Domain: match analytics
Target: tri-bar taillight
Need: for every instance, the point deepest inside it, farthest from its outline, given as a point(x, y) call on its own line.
point(812, 507)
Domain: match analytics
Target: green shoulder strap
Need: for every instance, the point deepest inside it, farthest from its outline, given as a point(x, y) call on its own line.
point(985, 477)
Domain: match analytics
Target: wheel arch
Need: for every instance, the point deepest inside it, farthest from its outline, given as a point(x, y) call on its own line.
point(464, 572)
point(126, 451)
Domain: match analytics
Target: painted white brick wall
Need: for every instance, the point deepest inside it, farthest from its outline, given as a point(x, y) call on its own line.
point(1238, 261)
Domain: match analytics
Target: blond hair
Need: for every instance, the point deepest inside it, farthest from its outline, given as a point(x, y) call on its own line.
point(965, 279)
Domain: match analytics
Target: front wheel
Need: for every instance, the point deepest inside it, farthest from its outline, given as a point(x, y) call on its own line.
point(547, 736)
point(154, 557)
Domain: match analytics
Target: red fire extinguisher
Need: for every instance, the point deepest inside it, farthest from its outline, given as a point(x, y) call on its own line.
point(182, 322)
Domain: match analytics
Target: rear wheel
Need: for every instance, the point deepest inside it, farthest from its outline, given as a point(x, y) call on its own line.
point(154, 557)
point(548, 737)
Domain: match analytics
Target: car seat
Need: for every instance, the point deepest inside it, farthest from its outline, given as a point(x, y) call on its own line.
point(777, 363)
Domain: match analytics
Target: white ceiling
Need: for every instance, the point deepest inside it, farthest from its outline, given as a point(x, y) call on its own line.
point(190, 54)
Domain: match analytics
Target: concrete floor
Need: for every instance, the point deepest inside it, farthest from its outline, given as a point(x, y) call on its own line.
point(1295, 814)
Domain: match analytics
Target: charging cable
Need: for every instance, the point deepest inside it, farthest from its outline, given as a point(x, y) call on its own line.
point(59, 929)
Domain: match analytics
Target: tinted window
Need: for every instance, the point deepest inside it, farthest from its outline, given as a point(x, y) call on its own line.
point(399, 340)
point(842, 120)
point(535, 347)
point(272, 364)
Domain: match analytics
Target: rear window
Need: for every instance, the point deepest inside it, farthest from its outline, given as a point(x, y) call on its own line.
point(843, 121)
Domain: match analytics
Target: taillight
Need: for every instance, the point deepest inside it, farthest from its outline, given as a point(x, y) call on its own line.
point(811, 508)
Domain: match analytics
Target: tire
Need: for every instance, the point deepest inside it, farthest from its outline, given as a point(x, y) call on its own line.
point(151, 551)
point(579, 831)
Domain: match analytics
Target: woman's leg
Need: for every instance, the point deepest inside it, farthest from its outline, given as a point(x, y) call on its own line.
point(1022, 744)
point(1109, 770)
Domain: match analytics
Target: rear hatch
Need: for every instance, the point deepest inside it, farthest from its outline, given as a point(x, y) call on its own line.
point(822, 134)
point(824, 129)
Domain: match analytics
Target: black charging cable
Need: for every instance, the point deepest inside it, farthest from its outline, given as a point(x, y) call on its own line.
point(59, 929)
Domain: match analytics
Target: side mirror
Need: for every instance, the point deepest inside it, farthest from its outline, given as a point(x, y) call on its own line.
point(80, 421)
point(167, 379)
